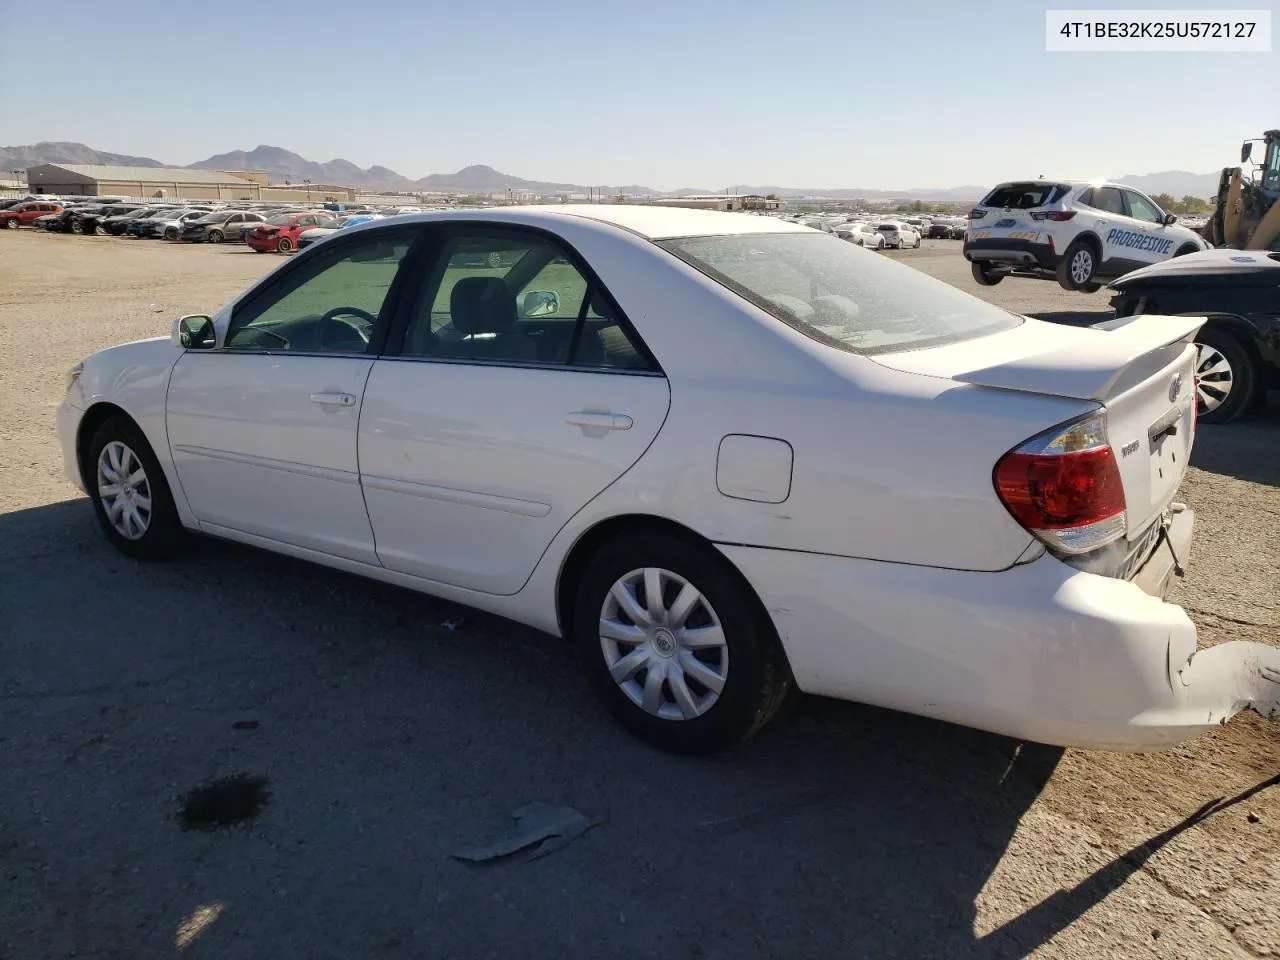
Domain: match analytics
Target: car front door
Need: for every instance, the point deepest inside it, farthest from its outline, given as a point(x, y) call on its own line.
point(512, 393)
point(263, 426)
point(1157, 243)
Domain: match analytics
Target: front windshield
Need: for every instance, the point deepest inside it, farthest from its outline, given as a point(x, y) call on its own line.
point(332, 224)
point(840, 294)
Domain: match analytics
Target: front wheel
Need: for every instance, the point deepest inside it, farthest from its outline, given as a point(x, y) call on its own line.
point(171, 234)
point(99, 231)
point(214, 236)
point(984, 277)
point(1226, 377)
point(916, 245)
point(1185, 249)
point(77, 227)
point(129, 492)
point(1078, 267)
point(676, 644)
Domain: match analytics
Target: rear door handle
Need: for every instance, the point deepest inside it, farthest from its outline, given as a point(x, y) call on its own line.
point(333, 399)
point(605, 421)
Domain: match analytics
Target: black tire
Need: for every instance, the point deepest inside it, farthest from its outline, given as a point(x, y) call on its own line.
point(214, 236)
point(99, 231)
point(982, 276)
point(171, 234)
point(11, 223)
point(1078, 267)
point(284, 245)
point(1185, 249)
point(77, 227)
point(1222, 354)
point(757, 678)
point(164, 536)
point(916, 245)
point(1091, 288)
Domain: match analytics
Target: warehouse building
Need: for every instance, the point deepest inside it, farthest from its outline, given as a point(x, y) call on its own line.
point(67, 179)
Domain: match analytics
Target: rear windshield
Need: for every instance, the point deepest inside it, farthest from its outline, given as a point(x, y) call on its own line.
point(839, 294)
point(1024, 196)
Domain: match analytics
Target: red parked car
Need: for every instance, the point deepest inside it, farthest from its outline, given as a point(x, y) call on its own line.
point(24, 214)
point(280, 232)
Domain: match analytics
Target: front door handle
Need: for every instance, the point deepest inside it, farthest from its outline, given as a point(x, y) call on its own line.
point(600, 421)
point(333, 399)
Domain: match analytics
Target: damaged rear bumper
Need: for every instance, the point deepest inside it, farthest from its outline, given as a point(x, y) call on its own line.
point(1042, 651)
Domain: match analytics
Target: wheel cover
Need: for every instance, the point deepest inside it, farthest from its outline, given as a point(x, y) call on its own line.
point(663, 644)
point(1082, 266)
point(124, 490)
point(1214, 378)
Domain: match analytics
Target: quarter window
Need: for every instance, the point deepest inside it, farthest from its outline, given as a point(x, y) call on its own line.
point(1108, 200)
point(329, 304)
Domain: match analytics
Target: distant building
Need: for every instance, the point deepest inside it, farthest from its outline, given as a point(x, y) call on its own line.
point(724, 201)
point(69, 179)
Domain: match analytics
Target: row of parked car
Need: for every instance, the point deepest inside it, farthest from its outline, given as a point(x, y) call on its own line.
point(889, 233)
point(264, 228)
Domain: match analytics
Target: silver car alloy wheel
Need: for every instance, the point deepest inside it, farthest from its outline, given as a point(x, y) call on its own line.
point(1082, 266)
point(124, 490)
point(663, 644)
point(1214, 378)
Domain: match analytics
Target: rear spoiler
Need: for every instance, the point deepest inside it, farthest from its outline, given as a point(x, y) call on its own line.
point(1088, 371)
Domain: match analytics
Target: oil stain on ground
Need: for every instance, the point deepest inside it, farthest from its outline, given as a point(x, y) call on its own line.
point(223, 802)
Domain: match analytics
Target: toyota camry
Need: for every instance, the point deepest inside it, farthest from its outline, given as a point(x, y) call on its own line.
point(723, 455)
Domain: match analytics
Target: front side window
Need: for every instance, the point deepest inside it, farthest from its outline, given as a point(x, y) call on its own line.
point(1140, 208)
point(329, 304)
point(839, 294)
point(515, 297)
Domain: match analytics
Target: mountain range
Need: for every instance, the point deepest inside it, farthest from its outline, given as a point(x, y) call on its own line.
point(280, 164)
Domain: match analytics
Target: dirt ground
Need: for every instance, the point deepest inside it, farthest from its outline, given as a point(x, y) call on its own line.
point(389, 740)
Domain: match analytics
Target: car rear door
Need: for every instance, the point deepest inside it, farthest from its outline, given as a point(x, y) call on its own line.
point(263, 427)
point(486, 426)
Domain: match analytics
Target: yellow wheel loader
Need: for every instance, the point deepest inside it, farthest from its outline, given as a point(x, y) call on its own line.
point(1248, 211)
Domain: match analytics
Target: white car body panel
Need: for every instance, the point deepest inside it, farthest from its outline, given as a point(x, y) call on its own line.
point(465, 486)
point(292, 475)
point(888, 579)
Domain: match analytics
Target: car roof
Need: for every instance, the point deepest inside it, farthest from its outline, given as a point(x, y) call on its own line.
point(650, 221)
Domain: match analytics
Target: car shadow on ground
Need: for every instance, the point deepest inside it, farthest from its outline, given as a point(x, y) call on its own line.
point(394, 728)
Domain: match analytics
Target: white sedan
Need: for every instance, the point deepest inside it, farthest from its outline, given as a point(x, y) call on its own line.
point(863, 234)
point(721, 454)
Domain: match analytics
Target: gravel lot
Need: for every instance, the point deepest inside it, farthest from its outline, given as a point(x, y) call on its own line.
point(389, 740)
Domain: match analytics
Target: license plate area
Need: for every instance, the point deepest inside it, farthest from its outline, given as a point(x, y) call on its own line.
point(1170, 442)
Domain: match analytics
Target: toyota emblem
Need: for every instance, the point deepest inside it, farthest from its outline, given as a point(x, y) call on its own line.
point(1175, 387)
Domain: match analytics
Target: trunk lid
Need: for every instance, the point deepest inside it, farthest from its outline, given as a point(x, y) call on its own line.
point(1141, 370)
point(1007, 212)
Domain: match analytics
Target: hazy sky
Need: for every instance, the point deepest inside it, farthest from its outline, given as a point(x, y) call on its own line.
point(665, 93)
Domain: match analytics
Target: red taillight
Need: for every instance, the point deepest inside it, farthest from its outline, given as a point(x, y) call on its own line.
point(1056, 215)
point(1064, 486)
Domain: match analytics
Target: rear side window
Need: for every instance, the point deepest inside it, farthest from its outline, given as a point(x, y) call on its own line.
point(1025, 196)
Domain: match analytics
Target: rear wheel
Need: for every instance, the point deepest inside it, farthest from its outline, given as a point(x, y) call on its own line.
point(99, 231)
point(214, 236)
point(170, 233)
point(1226, 377)
point(129, 492)
point(1078, 267)
point(77, 226)
point(984, 277)
point(676, 644)
point(11, 223)
point(916, 245)
point(284, 244)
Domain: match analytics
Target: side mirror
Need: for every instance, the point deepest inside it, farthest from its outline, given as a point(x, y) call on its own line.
point(539, 303)
point(1246, 151)
point(193, 332)
point(1170, 219)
